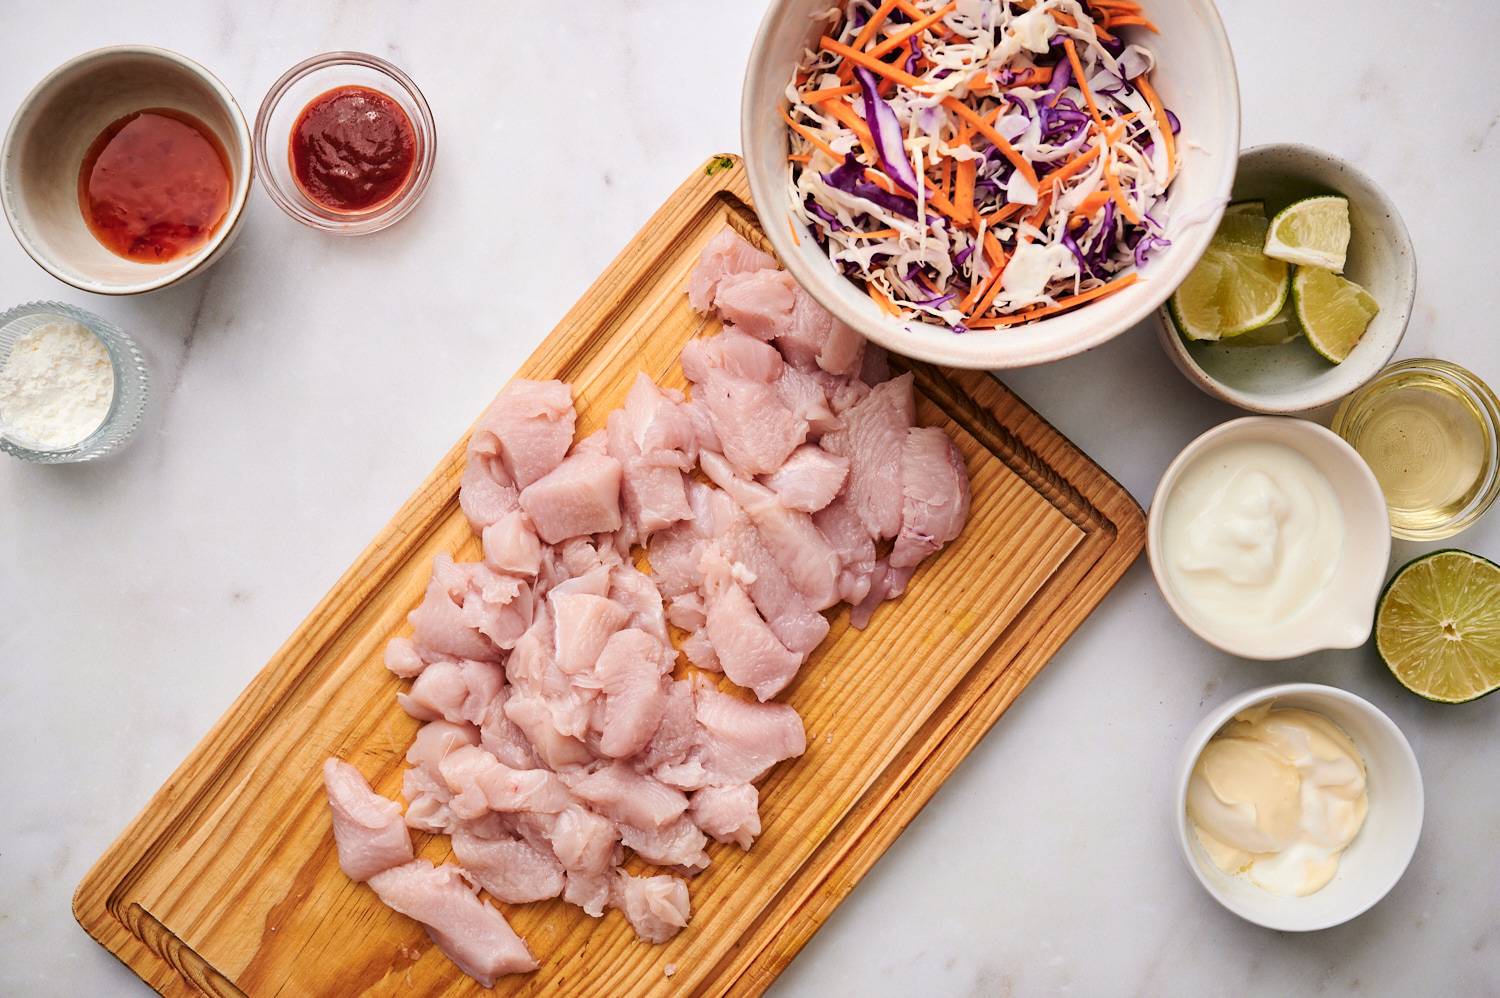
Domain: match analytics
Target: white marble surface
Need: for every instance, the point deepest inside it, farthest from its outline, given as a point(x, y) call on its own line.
point(308, 384)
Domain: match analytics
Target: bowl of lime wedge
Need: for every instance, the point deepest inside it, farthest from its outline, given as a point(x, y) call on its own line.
point(1304, 292)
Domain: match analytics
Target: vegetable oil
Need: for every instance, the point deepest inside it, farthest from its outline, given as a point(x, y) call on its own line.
point(1428, 430)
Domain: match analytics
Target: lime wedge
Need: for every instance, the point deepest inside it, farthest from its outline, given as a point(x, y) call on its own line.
point(1313, 232)
point(1279, 331)
point(1333, 312)
point(1247, 208)
point(1438, 626)
point(1235, 288)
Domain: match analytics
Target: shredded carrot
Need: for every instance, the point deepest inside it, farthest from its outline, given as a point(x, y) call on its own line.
point(895, 40)
point(829, 93)
point(911, 10)
point(879, 234)
point(1133, 20)
point(1063, 304)
point(1081, 81)
point(1163, 123)
point(1089, 205)
point(963, 189)
point(996, 139)
point(790, 224)
point(886, 305)
point(868, 61)
point(847, 117)
point(803, 158)
point(873, 24)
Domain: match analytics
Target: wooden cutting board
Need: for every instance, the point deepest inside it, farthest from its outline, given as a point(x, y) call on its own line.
point(228, 883)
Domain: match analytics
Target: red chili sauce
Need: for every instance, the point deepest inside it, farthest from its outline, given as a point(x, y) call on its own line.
point(352, 149)
point(154, 185)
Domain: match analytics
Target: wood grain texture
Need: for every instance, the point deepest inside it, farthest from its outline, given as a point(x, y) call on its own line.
point(228, 883)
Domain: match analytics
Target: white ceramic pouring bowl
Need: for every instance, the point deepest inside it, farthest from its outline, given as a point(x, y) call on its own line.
point(1340, 616)
point(1379, 854)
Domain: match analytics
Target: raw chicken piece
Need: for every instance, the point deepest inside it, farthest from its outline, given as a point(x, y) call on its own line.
point(802, 552)
point(402, 658)
point(813, 339)
point(678, 730)
point(809, 480)
point(511, 869)
point(703, 427)
point(502, 739)
point(470, 931)
point(726, 253)
point(750, 654)
point(629, 674)
point(637, 593)
point(731, 352)
point(678, 843)
point(536, 791)
point(659, 424)
point(655, 442)
point(461, 770)
point(579, 496)
point(873, 439)
point(584, 623)
point(427, 802)
point(782, 606)
point(729, 814)
point(700, 650)
point(529, 427)
point(470, 611)
point(436, 739)
point(742, 740)
point(511, 545)
point(758, 302)
point(485, 491)
point(587, 845)
point(934, 495)
point(620, 793)
point(806, 397)
point(656, 907)
point(856, 548)
point(885, 583)
point(555, 749)
point(454, 691)
point(367, 828)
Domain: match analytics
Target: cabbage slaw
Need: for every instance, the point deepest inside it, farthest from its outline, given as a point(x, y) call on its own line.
point(981, 163)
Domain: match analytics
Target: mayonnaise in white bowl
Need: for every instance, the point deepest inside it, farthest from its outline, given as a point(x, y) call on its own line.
point(1269, 538)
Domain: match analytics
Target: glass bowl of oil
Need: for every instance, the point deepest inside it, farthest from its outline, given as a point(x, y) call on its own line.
point(1430, 430)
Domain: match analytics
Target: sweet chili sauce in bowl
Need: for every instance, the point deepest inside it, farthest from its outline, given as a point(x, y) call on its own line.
point(345, 143)
point(154, 185)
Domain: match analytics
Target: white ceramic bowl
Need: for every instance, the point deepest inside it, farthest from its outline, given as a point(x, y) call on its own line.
point(1195, 77)
point(1291, 377)
point(51, 133)
point(1342, 615)
point(1376, 858)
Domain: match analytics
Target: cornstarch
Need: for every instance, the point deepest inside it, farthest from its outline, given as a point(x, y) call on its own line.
point(56, 386)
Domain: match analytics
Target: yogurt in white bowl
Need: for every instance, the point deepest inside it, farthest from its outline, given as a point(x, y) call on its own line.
point(1269, 538)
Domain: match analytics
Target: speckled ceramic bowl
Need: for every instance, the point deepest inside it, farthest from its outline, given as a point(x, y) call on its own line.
point(1291, 377)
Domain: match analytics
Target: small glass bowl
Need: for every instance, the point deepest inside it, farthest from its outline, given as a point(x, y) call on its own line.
point(1353, 414)
point(286, 100)
point(132, 382)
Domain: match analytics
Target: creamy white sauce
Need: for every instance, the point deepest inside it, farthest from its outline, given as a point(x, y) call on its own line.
point(1252, 533)
point(1278, 795)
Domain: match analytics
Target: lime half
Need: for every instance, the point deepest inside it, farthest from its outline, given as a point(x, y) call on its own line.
point(1313, 232)
point(1334, 313)
point(1235, 287)
point(1438, 626)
